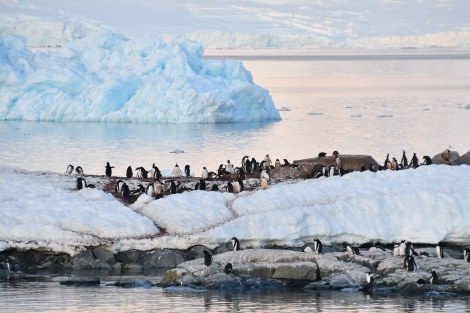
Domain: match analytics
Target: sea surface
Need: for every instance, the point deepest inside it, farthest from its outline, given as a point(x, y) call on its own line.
point(356, 102)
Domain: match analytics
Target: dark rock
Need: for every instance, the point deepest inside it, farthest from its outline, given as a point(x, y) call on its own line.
point(163, 258)
point(81, 281)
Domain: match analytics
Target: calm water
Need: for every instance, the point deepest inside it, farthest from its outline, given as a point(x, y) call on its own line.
point(49, 296)
point(353, 102)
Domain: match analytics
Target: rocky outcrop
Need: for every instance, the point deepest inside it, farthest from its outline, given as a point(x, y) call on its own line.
point(337, 270)
point(351, 162)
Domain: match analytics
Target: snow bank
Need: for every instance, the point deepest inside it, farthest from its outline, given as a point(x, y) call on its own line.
point(107, 77)
point(428, 205)
point(43, 211)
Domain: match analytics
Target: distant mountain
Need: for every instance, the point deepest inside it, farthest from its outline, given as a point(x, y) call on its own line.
point(297, 24)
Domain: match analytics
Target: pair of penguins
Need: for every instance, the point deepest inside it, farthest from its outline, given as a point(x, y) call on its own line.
point(229, 267)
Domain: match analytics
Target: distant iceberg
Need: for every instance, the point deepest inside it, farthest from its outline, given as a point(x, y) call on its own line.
point(107, 77)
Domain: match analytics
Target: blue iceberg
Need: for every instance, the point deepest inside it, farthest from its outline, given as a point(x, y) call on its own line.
point(107, 77)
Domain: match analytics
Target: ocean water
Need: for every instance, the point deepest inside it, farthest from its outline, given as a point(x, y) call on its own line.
point(46, 294)
point(355, 102)
point(351, 101)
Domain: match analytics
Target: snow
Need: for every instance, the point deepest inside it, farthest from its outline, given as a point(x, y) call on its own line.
point(426, 205)
point(107, 77)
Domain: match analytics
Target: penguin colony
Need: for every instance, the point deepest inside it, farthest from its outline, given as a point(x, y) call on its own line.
point(231, 178)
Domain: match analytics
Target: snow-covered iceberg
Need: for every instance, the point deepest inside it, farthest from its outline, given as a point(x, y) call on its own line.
point(108, 77)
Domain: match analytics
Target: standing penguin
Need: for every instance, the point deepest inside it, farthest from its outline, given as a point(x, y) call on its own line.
point(351, 250)
point(205, 173)
point(267, 161)
point(439, 252)
point(409, 263)
point(434, 278)
point(129, 172)
point(108, 169)
point(394, 164)
point(387, 163)
point(277, 164)
point(414, 161)
point(404, 160)
point(235, 244)
point(466, 254)
point(317, 246)
point(79, 170)
point(207, 258)
point(264, 183)
point(229, 167)
point(187, 170)
point(176, 171)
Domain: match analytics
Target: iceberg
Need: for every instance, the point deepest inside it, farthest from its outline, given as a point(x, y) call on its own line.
point(106, 77)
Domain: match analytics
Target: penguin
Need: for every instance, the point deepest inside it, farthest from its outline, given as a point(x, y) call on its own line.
point(150, 190)
point(202, 184)
point(176, 171)
point(409, 263)
point(262, 165)
point(351, 250)
point(187, 170)
point(370, 282)
point(420, 282)
point(108, 170)
point(69, 169)
point(339, 162)
point(402, 248)
point(267, 161)
point(6, 264)
point(229, 187)
point(387, 163)
point(79, 170)
point(228, 268)
point(245, 161)
point(286, 163)
point(118, 187)
point(125, 191)
point(205, 173)
point(396, 250)
point(322, 154)
point(140, 189)
point(81, 183)
point(215, 187)
point(172, 187)
point(141, 172)
point(277, 164)
point(264, 183)
point(155, 172)
point(409, 250)
point(331, 171)
point(157, 189)
point(427, 160)
point(229, 167)
point(394, 164)
point(424, 254)
point(264, 174)
point(236, 187)
point(240, 181)
point(207, 258)
point(439, 252)
point(404, 160)
point(317, 246)
point(241, 174)
point(414, 161)
point(434, 278)
point(235, 244)
point(466, 254)
point(254, 165)
point(129, 172)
